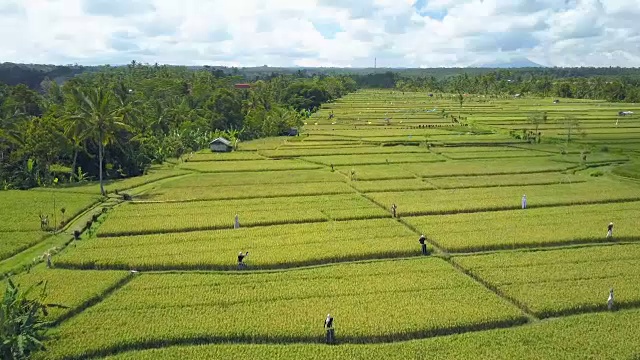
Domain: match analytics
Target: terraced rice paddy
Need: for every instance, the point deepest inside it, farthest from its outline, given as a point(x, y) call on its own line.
point(557, 282)
point(285, 306)
point(315, 216)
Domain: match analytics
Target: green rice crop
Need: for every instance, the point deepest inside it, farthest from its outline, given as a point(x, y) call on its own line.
point(592, 336)
point(119, 185)
point(469, 149)
point(163, 308)
point(487, 167)
point(14, 242)
point(74, 290)
point(558, 282)
point(255, 178)
point(505, 198)
point(21, 208)
point(631, 170)
point(262, 144)
point(461, 182)
point(247, 166)
point(149, 218)
point(593, 158)
point(322, 144)
point(342, 160)
point(377, 172)
point(530, 228)
point(391, 185)
point(495, 155)
point(231, 156)
point(246, 191)
point(284, 153)
point(386, 132)
point(456, 168)
point(279, 246)
point(473, 138)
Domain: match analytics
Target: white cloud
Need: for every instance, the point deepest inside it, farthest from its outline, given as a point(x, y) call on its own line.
point(321, 32)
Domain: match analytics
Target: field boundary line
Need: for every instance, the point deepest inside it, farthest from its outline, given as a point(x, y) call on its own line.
point(253, 170)
point(435, 245)
point(233, 268)
point(525, 172)
point(579, 181)
point(94, 300)
point(494, 289)
point(63, 231)
point(249, 197)
point(517, 207)
point(573, 243)
point(104, 202)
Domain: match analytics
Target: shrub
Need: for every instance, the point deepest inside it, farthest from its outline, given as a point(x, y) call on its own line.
point(22, 327)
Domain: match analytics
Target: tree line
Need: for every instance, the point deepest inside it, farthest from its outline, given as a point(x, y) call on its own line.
point(545, 83)
point(118, 121)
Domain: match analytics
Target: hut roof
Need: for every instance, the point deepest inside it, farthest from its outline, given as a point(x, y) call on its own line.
point(221, 140)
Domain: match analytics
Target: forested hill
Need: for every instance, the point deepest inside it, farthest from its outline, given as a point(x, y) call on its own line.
point(33, 75)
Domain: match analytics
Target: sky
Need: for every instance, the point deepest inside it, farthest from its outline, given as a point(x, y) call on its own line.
point(329, 33)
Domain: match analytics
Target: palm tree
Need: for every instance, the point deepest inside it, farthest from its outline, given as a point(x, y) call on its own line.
point(103, 116)
point(76, 128)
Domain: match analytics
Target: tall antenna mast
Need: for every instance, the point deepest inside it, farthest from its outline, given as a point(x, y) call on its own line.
point(375, 63)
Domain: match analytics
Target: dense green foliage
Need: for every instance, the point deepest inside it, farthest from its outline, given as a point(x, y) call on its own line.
point(117, 122)
point(574, 83)
point(22, 324)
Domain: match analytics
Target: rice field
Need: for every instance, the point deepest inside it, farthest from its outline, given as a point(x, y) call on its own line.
point(150, 218)
point(246, 166)
point(271, 247)
point(596, 336)
point(199, 193)
point(71, 291)
point(452, 201)
point(559, 282)
point(314, 213)
point(562, 225)
point(285, 306)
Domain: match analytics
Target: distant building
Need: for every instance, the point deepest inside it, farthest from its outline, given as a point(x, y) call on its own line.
point(220, 145)
point(242, 86)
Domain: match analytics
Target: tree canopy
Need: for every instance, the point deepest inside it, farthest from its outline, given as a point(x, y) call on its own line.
point(117, 122)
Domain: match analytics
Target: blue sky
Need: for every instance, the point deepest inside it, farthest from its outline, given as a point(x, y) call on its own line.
point(399, 33)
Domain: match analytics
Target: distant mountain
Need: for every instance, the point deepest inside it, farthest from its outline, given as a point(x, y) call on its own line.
point(32, 75)
point(513, 63)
